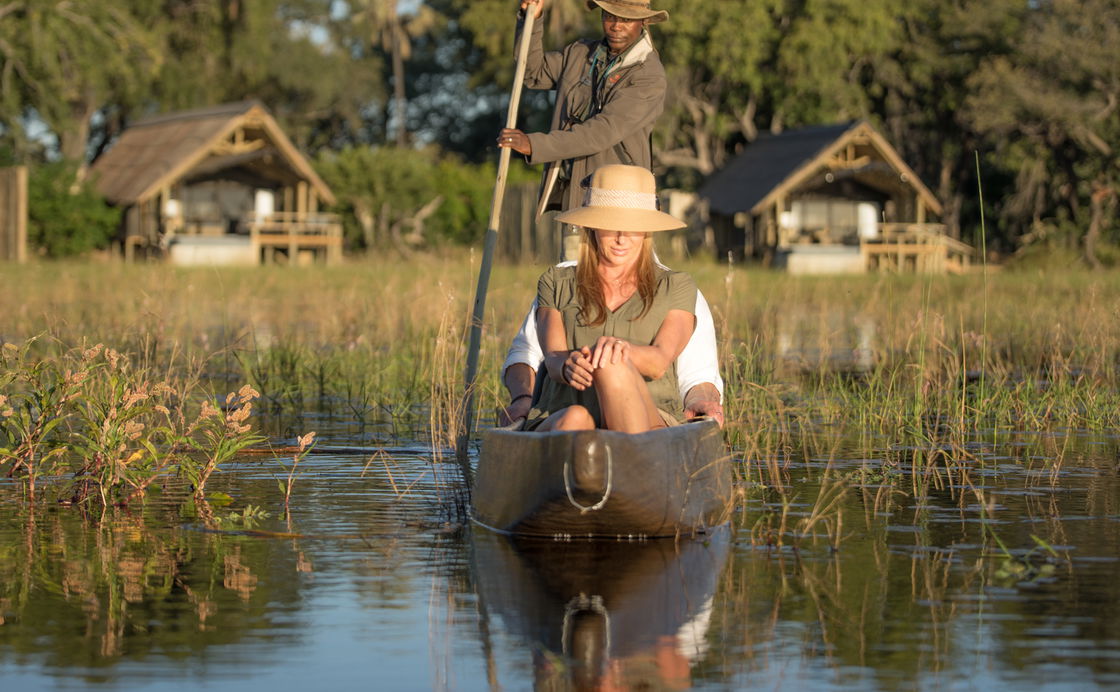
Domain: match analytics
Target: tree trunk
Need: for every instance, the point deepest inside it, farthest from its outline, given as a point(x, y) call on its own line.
point(365, 219)
point(73, 140)
point(1101, 194)
point(399, 98)
point(951, 201)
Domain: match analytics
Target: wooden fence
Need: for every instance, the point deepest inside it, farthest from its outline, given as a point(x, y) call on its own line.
point(523, 238)
point(13, 214)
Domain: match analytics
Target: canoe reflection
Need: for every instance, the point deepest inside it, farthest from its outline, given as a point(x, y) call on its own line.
point(602, 614)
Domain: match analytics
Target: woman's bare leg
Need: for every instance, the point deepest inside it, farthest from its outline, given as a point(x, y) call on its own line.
point(625, 400)
point(570, 418)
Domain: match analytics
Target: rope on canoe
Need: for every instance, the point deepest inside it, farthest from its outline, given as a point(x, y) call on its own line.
point(606, 493)
point(584, 603)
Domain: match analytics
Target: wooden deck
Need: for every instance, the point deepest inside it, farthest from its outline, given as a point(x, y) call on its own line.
point(916, 248)
point(294, 235)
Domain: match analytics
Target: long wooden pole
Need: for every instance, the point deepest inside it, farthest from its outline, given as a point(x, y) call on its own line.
point(467, 418)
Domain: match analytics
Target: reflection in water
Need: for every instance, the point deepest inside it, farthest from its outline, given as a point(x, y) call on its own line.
point(82, 591)
point(602, 614)
point(366, 587)
point(824, 341)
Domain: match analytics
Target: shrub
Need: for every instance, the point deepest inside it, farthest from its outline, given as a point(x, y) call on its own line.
point(381, 191)
point(65, 219)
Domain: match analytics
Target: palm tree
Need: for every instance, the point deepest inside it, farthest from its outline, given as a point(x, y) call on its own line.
point(393, 32)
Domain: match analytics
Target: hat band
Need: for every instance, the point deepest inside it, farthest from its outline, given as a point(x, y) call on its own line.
point(620, 199)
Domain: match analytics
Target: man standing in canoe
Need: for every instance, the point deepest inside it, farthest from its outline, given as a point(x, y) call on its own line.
point(609, 92)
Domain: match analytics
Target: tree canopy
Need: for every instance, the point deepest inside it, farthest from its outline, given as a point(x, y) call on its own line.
point(1031, 89)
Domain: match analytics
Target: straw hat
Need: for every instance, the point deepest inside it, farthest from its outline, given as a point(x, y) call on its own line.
point(621, 198)
point(630, 9)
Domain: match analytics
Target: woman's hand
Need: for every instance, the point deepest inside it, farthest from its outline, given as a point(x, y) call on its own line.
point(610, 351)
point(576, 371)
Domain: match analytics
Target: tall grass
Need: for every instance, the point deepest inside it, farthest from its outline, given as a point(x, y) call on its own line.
point(925, 365)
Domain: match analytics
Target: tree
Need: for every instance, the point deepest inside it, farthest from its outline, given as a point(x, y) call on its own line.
point(64, 219)
point(393, 32)
point(63, 60)
point(918, 91)
point(739, 66)
point(410, 198)
point(1051, 109)
point(292, 55)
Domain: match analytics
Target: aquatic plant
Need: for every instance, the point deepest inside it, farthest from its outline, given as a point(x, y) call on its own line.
point(304, 444)
point(917, 372)
point(106, 430)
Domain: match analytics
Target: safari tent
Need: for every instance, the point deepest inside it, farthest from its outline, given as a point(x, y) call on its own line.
point(835, 198)
point(220, 185)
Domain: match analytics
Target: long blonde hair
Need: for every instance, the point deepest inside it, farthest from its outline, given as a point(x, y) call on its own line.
point(589, 287)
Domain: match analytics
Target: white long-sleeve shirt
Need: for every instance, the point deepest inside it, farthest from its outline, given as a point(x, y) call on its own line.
point(698, 362)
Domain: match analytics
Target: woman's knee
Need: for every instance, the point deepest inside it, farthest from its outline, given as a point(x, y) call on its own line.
point(614, 376)
point(575, 417)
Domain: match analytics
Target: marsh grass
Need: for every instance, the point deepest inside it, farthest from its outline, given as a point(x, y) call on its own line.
point(102, 430)
point(915, 372)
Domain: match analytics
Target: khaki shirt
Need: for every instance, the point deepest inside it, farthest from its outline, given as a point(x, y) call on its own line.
point(557, 289)
point(618, 132)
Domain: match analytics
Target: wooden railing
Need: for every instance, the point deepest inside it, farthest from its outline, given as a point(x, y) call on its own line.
point(295, 232)
point(921, 248)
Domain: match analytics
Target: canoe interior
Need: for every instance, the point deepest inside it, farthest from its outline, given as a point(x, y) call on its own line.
point(600, 483)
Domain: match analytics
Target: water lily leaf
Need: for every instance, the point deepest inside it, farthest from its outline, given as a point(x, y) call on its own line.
point(219, 498)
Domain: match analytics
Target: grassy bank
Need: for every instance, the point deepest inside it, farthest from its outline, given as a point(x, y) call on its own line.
point(881, 362)
point(880, 352)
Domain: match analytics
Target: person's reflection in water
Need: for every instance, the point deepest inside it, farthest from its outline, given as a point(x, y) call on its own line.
point(663, 667)
point(603, 615)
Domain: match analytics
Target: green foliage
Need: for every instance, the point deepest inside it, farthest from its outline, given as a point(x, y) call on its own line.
point(64, 218)
point(411, 198)
point(1050, 107)
point(62, 61)
point(216, 51)
point(91, 416)
point(247, 520)
point(1032, 87)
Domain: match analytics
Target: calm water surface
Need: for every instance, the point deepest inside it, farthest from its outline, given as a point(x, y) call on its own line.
point(367, 585)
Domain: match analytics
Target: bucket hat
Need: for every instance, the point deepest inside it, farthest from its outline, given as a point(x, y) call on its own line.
point(621, 198)
point(630, 9)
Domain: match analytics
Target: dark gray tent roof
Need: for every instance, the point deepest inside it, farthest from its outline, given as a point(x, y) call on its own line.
point(764, 165)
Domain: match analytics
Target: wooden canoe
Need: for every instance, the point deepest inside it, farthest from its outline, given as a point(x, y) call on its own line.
point(604, 484)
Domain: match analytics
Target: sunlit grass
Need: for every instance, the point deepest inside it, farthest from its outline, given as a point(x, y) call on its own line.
point(929, 365)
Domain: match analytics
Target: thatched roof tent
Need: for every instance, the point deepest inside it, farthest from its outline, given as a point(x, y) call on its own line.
point(828, 198)
point(775, 165)
point(155, 153)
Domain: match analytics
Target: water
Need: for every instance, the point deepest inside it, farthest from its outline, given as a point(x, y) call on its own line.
point(368, 585)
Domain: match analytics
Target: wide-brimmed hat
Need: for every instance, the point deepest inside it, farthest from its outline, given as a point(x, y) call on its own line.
point(630, 9)
point(621, 198)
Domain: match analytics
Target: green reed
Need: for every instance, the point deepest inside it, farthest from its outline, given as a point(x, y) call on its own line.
point(885, 362)
point(102, 430)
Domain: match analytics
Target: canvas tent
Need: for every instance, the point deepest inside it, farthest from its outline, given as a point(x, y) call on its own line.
point(829, 198)
point(220, 184)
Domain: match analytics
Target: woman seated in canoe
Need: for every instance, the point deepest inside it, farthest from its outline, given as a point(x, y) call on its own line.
point(613, 325)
